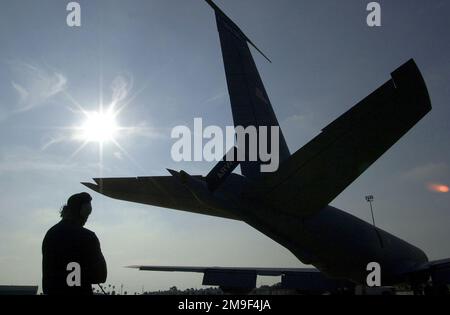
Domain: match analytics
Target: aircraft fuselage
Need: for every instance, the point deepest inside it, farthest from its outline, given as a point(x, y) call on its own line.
point(339, 244)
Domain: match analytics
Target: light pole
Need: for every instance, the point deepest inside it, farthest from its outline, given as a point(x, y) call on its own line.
point(370, 199)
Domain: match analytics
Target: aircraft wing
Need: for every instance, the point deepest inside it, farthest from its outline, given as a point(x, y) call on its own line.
point(303, 279)
point(160, 191)
point(257, 271)
point(308, 279)
point(317, 173)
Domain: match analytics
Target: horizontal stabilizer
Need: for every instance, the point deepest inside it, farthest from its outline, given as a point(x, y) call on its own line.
point(161, 191)
point(317, 173)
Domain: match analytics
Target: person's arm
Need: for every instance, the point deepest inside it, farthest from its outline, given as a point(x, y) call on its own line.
point(96, 271)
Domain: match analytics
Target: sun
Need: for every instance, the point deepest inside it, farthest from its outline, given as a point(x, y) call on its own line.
point(100, 126)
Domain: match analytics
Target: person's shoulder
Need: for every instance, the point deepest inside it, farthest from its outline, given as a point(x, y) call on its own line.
point(88, 234)
point(54, 234)
point(89, 239)
point(54, 228)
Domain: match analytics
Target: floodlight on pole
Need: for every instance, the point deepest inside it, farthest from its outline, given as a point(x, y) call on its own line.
point(370, 199)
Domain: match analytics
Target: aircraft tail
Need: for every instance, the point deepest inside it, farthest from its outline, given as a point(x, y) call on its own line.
point(250, 103)
point(232, 27)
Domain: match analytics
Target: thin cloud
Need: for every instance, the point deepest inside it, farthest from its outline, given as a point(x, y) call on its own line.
point(35, 85)
point(218, 96)
point(23, 93)
point(30, 161)
point(145, 131)
point(296, 122)
point(298, 119)
point(22, 159)
point(52, 141)
point(118, 155)
point(121, 87)
point(426, 172)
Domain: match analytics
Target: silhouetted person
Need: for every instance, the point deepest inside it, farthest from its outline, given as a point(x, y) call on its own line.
point(71, 256)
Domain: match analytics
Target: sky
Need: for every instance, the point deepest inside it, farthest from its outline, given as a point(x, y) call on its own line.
point(160, 62)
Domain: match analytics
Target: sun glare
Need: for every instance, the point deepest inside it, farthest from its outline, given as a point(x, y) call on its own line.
point(439, 188)
point(99, 127)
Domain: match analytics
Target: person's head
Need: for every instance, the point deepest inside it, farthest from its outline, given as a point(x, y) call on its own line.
point(78, 208)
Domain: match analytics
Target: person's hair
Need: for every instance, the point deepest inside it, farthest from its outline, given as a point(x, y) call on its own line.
point(73, 206)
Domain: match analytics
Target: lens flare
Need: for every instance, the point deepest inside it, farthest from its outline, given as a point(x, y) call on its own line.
point(438, 188)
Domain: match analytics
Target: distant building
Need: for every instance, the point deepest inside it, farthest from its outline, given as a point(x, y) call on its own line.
point(18, 290)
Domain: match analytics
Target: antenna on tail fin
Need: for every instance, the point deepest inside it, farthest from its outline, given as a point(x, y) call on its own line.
point(236, 30)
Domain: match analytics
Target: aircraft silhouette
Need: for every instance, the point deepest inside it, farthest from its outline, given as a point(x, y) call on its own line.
point(291, 206)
